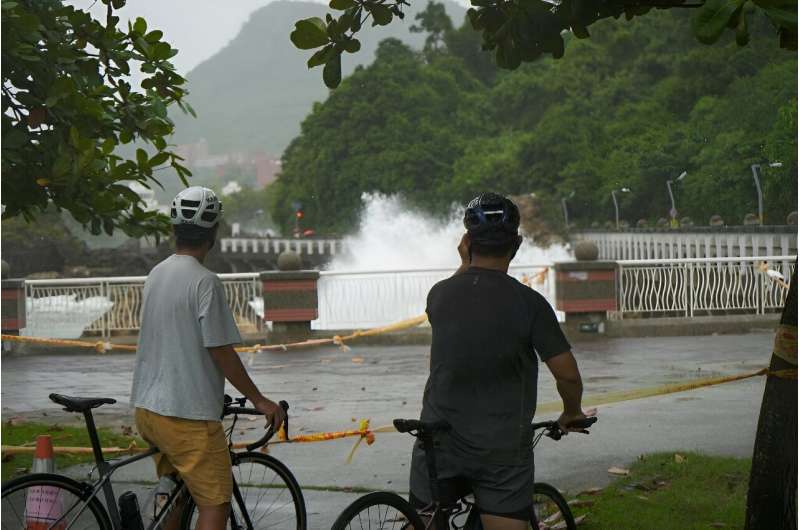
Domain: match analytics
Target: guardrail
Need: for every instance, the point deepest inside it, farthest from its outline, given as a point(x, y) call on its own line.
point(695, 287)
point(360, 299)
point(713, 244)
point(304, 247)
point(68, 308)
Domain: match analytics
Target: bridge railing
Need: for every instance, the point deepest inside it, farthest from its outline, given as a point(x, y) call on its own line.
point(697, 287)
point(304, 247)
point(363, 299)
point(68, 308)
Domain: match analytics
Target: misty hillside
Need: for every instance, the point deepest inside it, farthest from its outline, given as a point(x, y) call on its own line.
point(253, 94)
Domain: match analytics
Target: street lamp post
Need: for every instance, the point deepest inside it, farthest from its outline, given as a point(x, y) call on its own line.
point(756, 168)
point(673, 212)
point(564, 208)
point(616, 204)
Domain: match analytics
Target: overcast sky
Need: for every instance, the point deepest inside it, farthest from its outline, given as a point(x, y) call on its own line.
point(198, 28)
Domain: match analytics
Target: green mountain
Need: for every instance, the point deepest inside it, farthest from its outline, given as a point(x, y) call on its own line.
point(253, 94)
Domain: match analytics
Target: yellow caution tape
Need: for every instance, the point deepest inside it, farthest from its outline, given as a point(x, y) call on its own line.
point(99, 346)
point(364, 433)
point(102, 347)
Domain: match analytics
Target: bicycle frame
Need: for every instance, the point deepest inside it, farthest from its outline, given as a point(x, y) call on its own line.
point(105, 470)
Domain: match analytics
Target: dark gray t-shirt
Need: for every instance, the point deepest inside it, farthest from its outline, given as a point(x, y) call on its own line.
point(487, 330)
point(184, 312)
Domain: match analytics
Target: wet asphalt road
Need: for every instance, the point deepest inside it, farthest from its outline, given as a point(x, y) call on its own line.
point(328, 389)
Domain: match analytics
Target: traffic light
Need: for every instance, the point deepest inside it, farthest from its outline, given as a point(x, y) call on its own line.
point(299, 214)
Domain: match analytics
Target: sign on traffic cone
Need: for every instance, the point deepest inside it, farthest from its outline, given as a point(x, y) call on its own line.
point(44, 505)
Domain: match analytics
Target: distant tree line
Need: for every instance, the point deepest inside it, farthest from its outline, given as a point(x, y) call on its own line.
point(637, 104)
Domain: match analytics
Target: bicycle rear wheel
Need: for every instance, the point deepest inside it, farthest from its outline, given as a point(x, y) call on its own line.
point(550, 509)
point(43, 499)
point(380, 510)
point(268, 496)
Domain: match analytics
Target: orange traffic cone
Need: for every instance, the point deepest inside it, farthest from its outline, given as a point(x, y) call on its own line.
point(44, 505)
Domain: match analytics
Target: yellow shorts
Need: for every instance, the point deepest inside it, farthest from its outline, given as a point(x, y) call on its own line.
point(196, 449)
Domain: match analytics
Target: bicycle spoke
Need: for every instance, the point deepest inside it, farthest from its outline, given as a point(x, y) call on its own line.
point(64, 509)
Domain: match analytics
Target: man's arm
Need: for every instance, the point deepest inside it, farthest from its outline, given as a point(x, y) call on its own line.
point(231, 365)
point(564, 368)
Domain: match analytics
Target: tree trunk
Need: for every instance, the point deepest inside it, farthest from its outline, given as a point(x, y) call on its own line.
point(772, 495)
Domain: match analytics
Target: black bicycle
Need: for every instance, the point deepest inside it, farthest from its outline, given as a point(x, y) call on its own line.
point(265, 493)
point(384, 510)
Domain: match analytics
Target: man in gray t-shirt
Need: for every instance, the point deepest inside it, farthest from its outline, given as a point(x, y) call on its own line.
point(184, 355)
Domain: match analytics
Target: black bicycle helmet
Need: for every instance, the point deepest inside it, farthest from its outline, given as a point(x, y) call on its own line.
point(491, 219)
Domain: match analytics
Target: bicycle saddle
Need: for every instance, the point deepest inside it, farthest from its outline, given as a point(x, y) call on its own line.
point(80, 404)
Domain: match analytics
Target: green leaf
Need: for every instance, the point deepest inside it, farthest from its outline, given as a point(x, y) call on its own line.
point(158, 159)
point(108, 226)
point(381, 14)
point(108, 146)
point(125, 136)
point(161, 51)
point(352, 45)
point(332, 73)
point(309, 33)
point(154, 36)
point(341, 5)
point(141, 157)
point(712, 19)
point(95, 226)
point(321, 57)
point(140, 26)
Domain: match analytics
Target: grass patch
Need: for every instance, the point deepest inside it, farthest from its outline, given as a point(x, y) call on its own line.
point(664, 494)
point(25, 433)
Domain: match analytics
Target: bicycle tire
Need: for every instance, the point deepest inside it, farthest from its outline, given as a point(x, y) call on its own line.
point(278, 470)
point(540, 489)
point(354, 512)
point(14, 504)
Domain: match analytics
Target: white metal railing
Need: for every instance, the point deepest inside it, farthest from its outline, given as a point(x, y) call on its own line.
point(365, 299)
point(305, 247)
point(665, 245)
point(693, 287)
point(67, 308)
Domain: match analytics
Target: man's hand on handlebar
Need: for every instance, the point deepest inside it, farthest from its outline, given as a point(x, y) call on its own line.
point(274, 412)
point(566, 421)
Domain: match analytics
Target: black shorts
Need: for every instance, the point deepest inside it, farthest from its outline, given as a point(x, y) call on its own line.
point(505, 491)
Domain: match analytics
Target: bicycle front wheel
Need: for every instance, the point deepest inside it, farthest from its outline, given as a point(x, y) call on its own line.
point(550, 509)
point(379, 510)
point(44, 500)
point(266, 495)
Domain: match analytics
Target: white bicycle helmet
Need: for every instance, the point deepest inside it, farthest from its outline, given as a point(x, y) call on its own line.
point(196, 206)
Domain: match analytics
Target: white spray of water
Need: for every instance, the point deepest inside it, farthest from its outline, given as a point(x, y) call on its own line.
point(394, 236)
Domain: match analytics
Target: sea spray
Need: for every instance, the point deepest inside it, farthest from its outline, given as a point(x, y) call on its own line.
point(395, 236)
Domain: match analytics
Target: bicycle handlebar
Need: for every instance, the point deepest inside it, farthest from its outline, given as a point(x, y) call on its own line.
point(270, 431)
point(420, 426)
point(554, 429)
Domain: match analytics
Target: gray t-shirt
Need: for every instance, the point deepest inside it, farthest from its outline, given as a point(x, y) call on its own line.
point(184, 312)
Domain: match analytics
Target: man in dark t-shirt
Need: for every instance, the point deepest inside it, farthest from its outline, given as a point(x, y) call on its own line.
point(488, 330)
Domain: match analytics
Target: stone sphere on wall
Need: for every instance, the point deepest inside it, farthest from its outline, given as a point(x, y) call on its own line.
point(586, 251)
point(289, 260)
point(751, 219)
